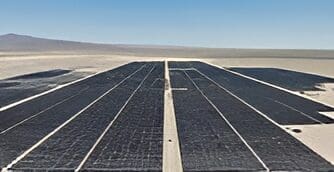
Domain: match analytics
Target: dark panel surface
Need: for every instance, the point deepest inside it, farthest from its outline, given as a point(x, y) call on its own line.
point(20, 87)
point(281, 106)
point(277, 149)
point(68, 147)
point(17, 140)
point(134, 142)
point(89, 89)
point(292, 80)
point(207, 142)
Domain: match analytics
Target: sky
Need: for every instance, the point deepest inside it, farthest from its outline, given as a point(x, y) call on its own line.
point(292, 24)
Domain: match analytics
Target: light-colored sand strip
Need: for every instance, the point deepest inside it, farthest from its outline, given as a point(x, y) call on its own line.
point(256, 110)
point(44, 110)
point(328, 114)
point(171, 160)
point(5, 169)
point(229, 124)
point(82, 163)
point(179, 89)
point(49, 91)
point(271, 85)
point(171, 69)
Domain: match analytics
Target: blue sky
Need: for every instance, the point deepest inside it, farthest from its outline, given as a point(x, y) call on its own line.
point(208, 23)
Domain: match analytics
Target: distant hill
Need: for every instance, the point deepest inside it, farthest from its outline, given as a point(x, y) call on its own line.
point(14, 42)
point(21, 43)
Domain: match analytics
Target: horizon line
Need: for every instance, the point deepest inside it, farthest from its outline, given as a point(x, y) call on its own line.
point(161, 45)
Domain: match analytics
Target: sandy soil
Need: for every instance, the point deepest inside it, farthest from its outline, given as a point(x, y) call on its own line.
point(318, 137)
point(22, 64)
point(326, 96)
point(13, 66)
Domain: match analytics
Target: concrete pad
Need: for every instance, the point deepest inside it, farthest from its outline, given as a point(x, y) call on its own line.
point(171, 151)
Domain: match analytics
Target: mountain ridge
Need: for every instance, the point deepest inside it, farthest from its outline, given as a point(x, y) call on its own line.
point(16, 43)
point(10, 38)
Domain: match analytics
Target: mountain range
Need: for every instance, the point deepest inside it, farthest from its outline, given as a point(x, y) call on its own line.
point(11, 43)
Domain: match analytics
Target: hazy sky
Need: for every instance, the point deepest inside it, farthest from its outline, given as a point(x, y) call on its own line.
point(210, 23)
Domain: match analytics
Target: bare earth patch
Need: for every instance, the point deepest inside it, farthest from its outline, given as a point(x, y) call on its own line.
point(318, 137)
